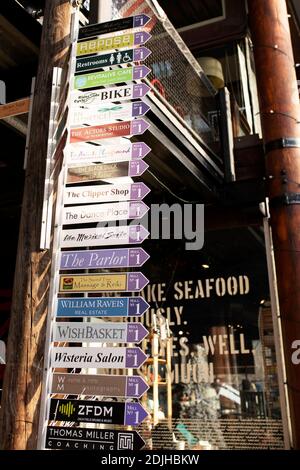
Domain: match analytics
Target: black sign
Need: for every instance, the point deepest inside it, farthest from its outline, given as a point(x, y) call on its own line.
point(92, 439)
point(136, 21)
point(91, 411)
point(104, 60)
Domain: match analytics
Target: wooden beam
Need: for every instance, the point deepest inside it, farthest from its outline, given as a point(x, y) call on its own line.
point(25, 349)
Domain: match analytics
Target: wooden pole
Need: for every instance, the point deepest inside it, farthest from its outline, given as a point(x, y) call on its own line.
point(25, 349)
point(280, 114)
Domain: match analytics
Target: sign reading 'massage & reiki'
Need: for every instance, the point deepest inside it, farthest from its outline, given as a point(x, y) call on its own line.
point(106, 282)
point(102, 172)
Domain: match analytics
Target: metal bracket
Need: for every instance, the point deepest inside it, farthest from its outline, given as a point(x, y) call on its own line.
point(283, 143)
point(286, 199)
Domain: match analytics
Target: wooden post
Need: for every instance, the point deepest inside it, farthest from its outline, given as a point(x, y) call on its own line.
point(24, 370)
point(280, 114)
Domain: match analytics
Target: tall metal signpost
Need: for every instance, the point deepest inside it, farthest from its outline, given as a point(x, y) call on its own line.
point(98, 117)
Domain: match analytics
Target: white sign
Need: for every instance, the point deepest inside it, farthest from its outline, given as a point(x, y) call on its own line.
point(123, 152)
point(97, 193)
point(117, 93)
point(103, 236)
point(98, 115)
point(109, 332)
point(103, 212)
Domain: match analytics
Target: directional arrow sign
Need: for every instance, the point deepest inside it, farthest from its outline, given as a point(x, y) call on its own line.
point(97, 259)
point(92, 439)
point(113, 58)
point(136, 21)
point(101, 412)
point(107, 131)
point(101, 307)
point(132, 386)
point(100, 358)
point(93, 213)
point(109, 77)
point(107, 282)
point(99, 332)
point(99, 172)
point(114, 94)
point(102, 236)
point(87, 114)
point(105, 192)
point(87, 153)
point(123, 41)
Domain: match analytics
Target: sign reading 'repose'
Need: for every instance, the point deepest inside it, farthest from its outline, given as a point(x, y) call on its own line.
point(113, 42)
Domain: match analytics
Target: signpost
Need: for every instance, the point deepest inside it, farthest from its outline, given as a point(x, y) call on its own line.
point(118, 93)
point(103, 172)
point(136, 21)
point(111, 307)
point(110, 43)
point(114, 58)
point(101, 412)
point(122, 386)
point(99, 332)
point(109, 77)
point(112, 282)
point(92, 439)
point(88, 118)
point(97, 259)
point(107, 131)
point(109, 113)
point(101, 358)
point(103, 236)
point(87, 153)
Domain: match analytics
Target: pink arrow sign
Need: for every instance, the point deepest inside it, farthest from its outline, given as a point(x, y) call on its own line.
point(88, 153)
point(107, 131)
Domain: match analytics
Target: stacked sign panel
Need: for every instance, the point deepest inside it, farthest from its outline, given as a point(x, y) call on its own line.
point(92, 288)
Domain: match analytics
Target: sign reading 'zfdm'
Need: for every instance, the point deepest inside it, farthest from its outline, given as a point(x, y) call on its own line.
point(102, 412)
